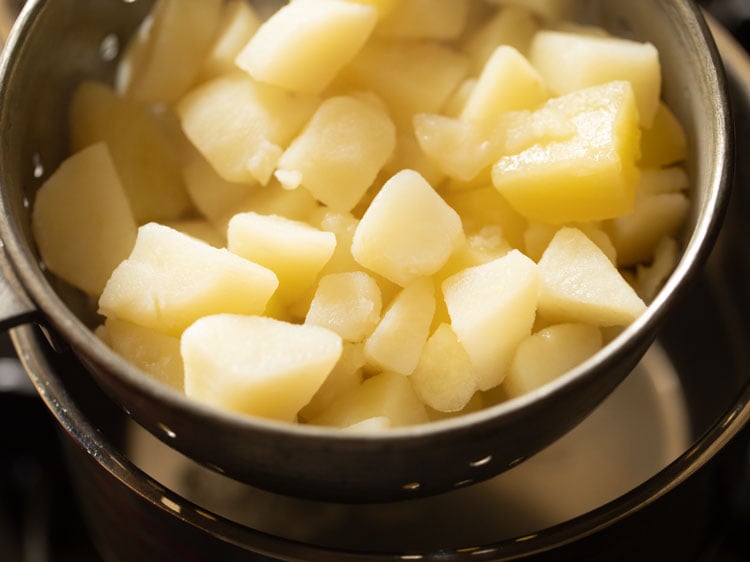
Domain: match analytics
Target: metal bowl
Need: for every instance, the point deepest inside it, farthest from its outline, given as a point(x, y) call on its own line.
point(56, 44)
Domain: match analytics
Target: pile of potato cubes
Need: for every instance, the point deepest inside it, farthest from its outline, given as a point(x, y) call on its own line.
point(366, 213)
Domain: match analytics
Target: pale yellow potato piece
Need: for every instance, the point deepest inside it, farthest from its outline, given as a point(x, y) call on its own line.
point(171, 279)
point(570, 61)
point(410, 76)
point(492, 308)
point(242, 126)
point(649, 279)
point(508, 82)
point(550, 10)
point(396, 343)
point(164, 58)
point(143, 152)
point(408, 231)
point(665, 142)
point(152, 352)
point(549, 353)
point(445, 378)
point(295, 251)
point(425, 19)
point(348, 304)
point(347, 375)
point(387, 395)
point(580, 284)
point(257, 366)
point(81, 220)
point(538, 236)
point(200, 229)
point(295, 204)
point(304, 45)
point(340, 152)
point(370, 425)
point(239, 22)
point(408, 155)
point(384, 7)
point(591, 176)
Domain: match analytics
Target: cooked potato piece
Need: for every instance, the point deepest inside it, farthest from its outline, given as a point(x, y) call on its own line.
point(549, 353)
point(408, 231)
point(580, 284)
point(302, 47)
point(82, 222)
point(425, 19)
point(255, 365)
point(237, 25)
point(171, 279)
point(340, 152)
point(552, 10)
point(492, 308)
point(665, 142)
point(650, 278)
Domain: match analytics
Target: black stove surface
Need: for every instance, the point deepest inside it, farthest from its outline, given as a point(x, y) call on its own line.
point(40, 519)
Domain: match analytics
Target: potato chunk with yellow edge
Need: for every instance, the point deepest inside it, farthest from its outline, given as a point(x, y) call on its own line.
point(425, 19)
point(303, 45)
point(408, 231)
point(171, 279)
point(387, 395)
point(492, 307)
point(82, 222)
point(237, 25)
point(256, 365)
point(591, 176)
point(547, 354)
point(580, 284)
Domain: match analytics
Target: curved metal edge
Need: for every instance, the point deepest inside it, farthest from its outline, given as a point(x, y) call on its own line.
point(15, 305)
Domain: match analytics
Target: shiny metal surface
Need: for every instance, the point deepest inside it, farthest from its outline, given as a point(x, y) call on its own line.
point(58, 42)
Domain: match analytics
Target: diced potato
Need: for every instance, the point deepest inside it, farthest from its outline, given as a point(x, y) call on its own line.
point(388, 395)
point(347, 375)
point(408, 155)
point(570, 61)
point(302, 48)
point(348, 304)
point(492, 308)
point(580, 284)
point(200, 229)
point(152, 352)
point(165, 56)
point(481, 247)
point(295, 204)
point(408, 231)
point(171, 279)
point(242, 126)
point(81, 220)
point(549, 353)
point(475, 404)
point(665, 143)
point(445, 378)
point(425, 19)
point(410, 76)
point(538, 236)
point(589, 177)
point(649, 279)
point(370, 425)
point(255, 365)
point(340, 151)
point(237, 25)
point(398, 339)
point(513, 26)
point(295, 251)
point(144, 156)
point(384, 7)
point(492, 96)
point(551, 10)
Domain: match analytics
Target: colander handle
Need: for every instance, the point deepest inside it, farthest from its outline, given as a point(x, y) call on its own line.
point(16, 307)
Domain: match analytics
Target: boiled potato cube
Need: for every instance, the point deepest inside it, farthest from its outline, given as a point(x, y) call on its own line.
point(388, 395)
point(141, 149)
point(82, 221)
point(171, 279)
point(408, 231)
point(649, 279)
point(408, 155)
point(551, 10)
point(303, 46)
point(237, 25)
point(508, 83)
point(347, 375)
point(200, 229)
point(589, 177)
point(242, 126)
point(492, 308)
point(164, 57)
point(425, 19)
point(384, 7)
point(580, 284)
point(348, 304)
point(570, 61)
point(538, 236)
point(340, 152)
point(255, 365)
point(398, 339)
point(295, 251)
point(549, 353)
point(152, 352)
point(445, 378)
point(665, 142)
